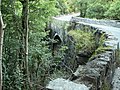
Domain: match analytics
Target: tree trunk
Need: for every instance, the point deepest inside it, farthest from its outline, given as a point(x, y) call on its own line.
point(25, 16)
point(1, 45)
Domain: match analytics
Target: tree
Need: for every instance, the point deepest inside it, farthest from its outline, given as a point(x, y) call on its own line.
point(1, 45)
point(14, 52)
point(96, 11)
point(83, 4)
point(25, 31)
point(113, 11)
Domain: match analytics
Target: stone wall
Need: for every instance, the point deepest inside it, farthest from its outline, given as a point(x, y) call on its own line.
point(97, 74)
point(114, 23)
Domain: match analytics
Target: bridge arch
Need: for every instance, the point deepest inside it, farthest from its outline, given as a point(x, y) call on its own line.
point(57, 38)
point(56, 44)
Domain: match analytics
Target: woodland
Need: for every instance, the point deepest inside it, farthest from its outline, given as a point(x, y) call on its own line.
point(26, 59)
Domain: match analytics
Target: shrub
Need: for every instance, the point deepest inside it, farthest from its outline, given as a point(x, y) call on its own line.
point(114, 11)
point(83, 39)
point(96, 11)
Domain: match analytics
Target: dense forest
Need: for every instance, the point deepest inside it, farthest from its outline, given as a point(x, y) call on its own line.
point(26, 59)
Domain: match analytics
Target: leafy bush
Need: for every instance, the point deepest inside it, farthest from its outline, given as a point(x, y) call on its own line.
point(96, 11)
point(114, 11)
point(101, 48)
point(83, 39)
point(40, 13)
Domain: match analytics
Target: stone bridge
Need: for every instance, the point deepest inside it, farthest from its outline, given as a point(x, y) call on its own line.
point(61, 23)
point(98, 73)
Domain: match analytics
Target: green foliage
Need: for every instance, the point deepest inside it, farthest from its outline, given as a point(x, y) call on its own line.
point(102, 40)
point(41, 13)
point(113, 11)
point(96, 11)
point(83, 39)
point(99, 9)
point(60, 54)
point(40, 56)
point(100, 49)
point(83, 5)
point(62, 6)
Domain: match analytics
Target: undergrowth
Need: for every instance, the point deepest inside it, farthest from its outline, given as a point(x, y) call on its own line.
point(83, 39)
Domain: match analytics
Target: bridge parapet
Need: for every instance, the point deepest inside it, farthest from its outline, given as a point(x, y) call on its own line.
point(113, 23)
